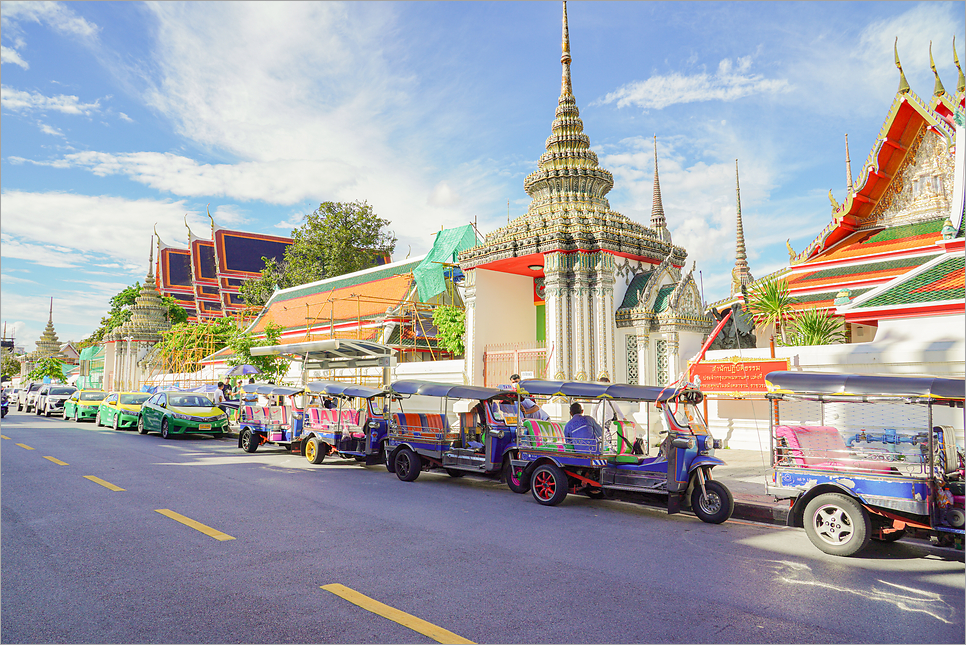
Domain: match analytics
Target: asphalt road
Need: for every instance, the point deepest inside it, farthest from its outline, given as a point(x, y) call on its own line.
point(454, 558)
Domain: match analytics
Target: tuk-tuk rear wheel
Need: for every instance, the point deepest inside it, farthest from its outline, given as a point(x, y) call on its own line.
point(837, 524)
point(408, 465)
point(249, 440)
point(549, 484)
point(314, 453)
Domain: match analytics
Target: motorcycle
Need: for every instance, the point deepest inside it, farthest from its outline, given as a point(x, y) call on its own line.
point(4, 404)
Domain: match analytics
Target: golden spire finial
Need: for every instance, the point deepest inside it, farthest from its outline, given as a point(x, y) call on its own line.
point(961, 84)
point(903, 83)
point(187, 227)
point(566, 88)
point(212, 221)
point(938, 89)
point(848, 165)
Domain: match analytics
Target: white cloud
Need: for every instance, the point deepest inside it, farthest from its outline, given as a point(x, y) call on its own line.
point(443, 195)
point(730, 82)
point(125, 117)
point(9, 55)
point(48, 129)
point(20, 101)
point(55, 15)
point(89, 229)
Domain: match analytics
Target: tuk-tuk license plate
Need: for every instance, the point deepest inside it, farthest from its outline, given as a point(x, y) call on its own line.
point(204, 426)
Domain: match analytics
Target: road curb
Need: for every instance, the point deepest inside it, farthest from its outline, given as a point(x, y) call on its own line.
point(758, 512)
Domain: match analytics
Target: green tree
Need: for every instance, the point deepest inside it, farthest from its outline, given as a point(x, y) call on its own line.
point(814, 327)
point(337, 238)
point(273, 368)
point(48, 366)
point(451, 323)
point(119, 313)
point(9, 365)
point(770, 303)
point(182, 346)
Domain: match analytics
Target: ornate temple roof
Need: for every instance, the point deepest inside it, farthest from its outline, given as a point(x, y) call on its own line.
point(47, 345)
point(740, 275)
point(569, 210)
point(148, 314)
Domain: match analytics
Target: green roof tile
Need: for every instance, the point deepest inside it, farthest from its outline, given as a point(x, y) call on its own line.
point(632, 297)
point(663, 298)
point(866, 268)
point(928, 286)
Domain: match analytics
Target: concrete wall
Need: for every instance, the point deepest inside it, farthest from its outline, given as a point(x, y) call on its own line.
point(504, 313)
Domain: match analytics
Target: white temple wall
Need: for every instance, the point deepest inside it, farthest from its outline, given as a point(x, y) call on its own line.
point(934, 346)
point(503, 313)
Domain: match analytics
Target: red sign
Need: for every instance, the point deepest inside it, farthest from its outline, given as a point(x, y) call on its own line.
point(734, 376)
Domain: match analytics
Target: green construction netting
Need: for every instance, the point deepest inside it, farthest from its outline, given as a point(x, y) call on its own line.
point(90, 353)
point(429, 274)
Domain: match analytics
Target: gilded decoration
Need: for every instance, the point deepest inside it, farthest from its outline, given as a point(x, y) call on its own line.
point(920, 188)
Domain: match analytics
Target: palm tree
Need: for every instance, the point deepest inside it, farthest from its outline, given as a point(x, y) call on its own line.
point(817, 327)
point(770, 303)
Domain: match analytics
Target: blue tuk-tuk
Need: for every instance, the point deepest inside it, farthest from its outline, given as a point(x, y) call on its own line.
point(480, 439)
point(555, 460)
point(280, 422)
point(868, 457)
point(352, 425)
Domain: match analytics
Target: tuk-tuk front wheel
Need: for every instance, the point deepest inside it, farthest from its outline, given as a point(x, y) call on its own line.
point(714, 507)
point(515, 479)
point(408, 465)
point(837, 524)
point(549, 484)
point(314, 452)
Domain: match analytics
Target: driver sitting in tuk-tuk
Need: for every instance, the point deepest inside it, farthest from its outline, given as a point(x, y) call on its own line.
point(581, 426)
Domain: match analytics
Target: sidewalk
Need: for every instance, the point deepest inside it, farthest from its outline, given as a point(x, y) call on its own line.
point(745, 473)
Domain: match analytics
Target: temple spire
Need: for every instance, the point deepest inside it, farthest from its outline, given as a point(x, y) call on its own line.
point(50, 318)
point(848, 165)
point(740, 275)
point(903, 83)
point(961, 83)
point(566, 89)
point(657, 207)
point(938, 89)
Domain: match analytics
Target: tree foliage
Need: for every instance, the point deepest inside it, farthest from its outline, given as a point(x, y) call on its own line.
point(451, 323)
point(814, 327)
point(185, 344)
point(120, 313)
point(48, 366)
point(273, 368)
point(770, 303)
point(337, 238)
point(9, 365)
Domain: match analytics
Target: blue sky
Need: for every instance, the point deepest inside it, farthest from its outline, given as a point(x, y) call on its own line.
point(117, 117)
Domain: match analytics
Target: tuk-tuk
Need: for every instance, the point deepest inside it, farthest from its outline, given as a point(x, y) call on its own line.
point(280, 422)
point(354, 427)
point(469, 434)
point(555, 461)
point(868, 457)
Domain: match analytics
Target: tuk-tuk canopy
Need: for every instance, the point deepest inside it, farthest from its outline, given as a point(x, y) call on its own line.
point(613, 391)
point(449, 390)
point(333, 353)
point(334, 388)
point(274, 390)
point(782, 384)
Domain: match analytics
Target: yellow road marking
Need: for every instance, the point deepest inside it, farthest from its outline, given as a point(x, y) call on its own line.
point(105, 484)
point(438, 634)
point(57, 461)
point(198, 526)
point(24, 446)
point(3, 436)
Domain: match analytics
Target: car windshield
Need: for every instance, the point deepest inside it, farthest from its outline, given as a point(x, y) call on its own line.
point(133, 399)
point(61, 390)
point(92, 396)
point(189, 401)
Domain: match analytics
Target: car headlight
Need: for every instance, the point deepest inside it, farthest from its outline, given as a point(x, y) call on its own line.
point(183, 417)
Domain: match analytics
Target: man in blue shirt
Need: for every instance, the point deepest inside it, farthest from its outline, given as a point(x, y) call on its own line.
point(582, 427)
point(530, 408)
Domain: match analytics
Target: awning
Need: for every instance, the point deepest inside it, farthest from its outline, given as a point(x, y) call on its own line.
point(863, 385)
point(334, 353)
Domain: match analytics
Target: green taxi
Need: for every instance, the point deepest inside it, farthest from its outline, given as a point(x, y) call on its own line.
point(121, 409)
point(83, 404)
point(178, 413)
